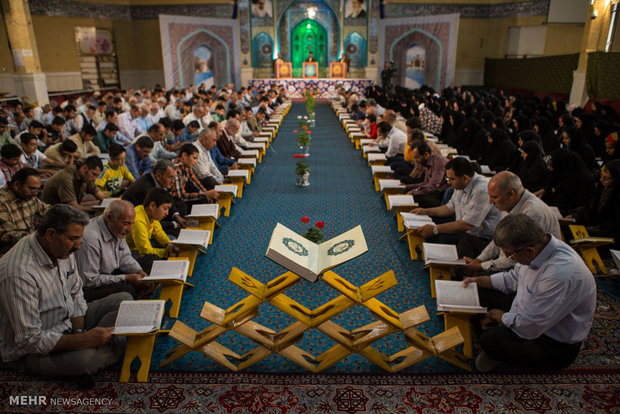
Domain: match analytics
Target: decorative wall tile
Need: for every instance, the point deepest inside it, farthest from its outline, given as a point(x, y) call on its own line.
point(472, 11)
point(120, 12)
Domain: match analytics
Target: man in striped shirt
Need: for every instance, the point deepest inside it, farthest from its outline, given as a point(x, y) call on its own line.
point(187, 186)
point(46, 328)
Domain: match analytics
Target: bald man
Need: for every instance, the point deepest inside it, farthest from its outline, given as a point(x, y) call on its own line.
point(507, 194)
point(105, 262)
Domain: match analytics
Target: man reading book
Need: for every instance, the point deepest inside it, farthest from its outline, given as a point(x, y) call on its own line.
point(475, 216)
point(507, 194)
point(541, 311)
point(105, 261)
point(46, 327)
point(146, 227)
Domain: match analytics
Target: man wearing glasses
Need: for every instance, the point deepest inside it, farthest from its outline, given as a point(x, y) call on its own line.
point(475, 216)
point(46, 327)
point(541, 311)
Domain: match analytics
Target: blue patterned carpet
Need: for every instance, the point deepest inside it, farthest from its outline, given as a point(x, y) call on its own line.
point(342, 195)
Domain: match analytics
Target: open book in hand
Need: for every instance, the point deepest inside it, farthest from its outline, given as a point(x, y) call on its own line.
point(196, 238)
point(384, 184)
point(168, 270)
point(444, 254)
point(413, 221)
point(453, 297)
point(205, 210)
point(308, 259)
point(139, 316)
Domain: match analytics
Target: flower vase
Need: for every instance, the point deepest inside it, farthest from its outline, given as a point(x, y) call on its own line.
point(303, 180)
point(305, 150)
point(312, 122)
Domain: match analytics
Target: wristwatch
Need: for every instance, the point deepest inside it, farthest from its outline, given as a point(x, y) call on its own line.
point(435, 230)
point(78, 331)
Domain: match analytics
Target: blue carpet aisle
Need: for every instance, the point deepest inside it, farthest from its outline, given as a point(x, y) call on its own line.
point(342, 195)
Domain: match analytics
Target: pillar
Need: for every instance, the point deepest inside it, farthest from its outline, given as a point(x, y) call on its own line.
point(28, 78)
point(594, 38)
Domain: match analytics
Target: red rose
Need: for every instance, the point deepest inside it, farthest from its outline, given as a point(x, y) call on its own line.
point(297, 155)
point(319, 224)
point(305, 219)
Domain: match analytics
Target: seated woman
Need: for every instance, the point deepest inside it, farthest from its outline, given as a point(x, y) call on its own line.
point(602, 216)
point(500, 152)
point(533, 170)
point(570, 183)
point(574, 141)
point(146, 227)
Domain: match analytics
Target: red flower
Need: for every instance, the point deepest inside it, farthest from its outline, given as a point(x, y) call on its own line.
point(319, 224)
point(305, 219)
point(299, 155)
point(309, 132)
point(295, 131)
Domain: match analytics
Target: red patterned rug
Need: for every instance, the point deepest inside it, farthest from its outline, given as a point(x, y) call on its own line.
point(570, 391)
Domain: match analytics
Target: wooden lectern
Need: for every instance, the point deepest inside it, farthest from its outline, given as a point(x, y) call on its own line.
point(311, 70)
point(284, 70)
point(337, 70)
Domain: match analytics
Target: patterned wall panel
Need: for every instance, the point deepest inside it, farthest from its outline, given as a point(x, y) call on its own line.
point(122, 12)
point(180, 35)
point(373, 27)
point(262, 51)
point(244, 26)
point(355, 48)
point(472, 11)
point(436, 34)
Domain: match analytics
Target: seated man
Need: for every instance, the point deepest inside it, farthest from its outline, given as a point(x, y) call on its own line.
point(157, 133)
point(70, 185)
point(32, 157)
point(161, 176)
point(20, 208)
point(206, 170)
point(138, 161)
point(46, 327)
point(105, 261)
point(541, 311)
point(225, 142)
point(64, 152)
point(507, 194)
point(429, 192)
point(475, 216)
point(115, 177)
point(146, 227)
point(395, 140)
point(55, 130)
point(107, 136)
point(84, 142)
point(187, 187)
point(11, 161)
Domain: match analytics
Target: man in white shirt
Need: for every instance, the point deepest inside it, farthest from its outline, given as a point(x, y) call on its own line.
point(205, 169)
point(127, 123)
point(541, 311)
point(396, 141)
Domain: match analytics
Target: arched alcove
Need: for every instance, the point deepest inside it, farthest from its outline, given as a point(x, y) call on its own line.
point(262, 50)
point(433, 56)
point(220, 57)
point(355, 48)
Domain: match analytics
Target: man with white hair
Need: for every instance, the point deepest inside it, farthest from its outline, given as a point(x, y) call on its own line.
point(507, 194)
point(541, 311)
point(105, 262)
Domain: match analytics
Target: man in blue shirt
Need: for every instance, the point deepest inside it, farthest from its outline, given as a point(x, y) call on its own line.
point(541, 311)
point(138, 161)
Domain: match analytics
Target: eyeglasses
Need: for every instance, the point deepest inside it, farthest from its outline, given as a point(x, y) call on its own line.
point(511, 255)
point(450, 179)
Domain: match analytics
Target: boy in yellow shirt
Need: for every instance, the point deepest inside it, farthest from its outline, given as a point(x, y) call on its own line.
point(115, 177)
point(147, 226)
